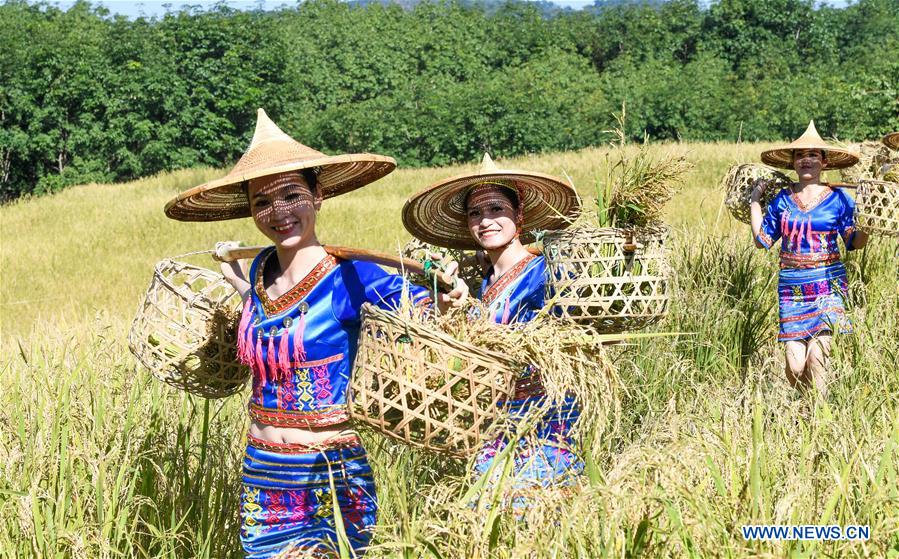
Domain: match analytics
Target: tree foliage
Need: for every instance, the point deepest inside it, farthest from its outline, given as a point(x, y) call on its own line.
point(87, 96)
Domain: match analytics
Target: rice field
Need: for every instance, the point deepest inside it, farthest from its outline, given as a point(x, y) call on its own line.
point(99, 459)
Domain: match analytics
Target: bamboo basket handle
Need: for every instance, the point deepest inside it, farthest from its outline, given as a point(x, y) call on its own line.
point(445, 281)
point(629, 245)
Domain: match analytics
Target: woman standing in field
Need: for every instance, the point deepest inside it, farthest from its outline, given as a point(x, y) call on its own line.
point(498, 211)
point(812, 287)
point(298, 333)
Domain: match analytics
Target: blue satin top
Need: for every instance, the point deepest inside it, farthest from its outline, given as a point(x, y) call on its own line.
point(517, 295)
point(809, 232)
point(301, 345)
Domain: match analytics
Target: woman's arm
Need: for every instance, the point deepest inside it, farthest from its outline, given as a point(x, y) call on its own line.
point(755, 210)
point(859, 240)
point(236, 274)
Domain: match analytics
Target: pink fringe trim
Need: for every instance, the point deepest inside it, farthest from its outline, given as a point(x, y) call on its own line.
point(284, 355)
point(299, 352)
point(245, 335)
point(506, 310)
point(260, 365)
point(271, 359)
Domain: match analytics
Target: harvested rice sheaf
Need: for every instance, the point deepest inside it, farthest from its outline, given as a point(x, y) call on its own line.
point(636, 188)
point(892, 173)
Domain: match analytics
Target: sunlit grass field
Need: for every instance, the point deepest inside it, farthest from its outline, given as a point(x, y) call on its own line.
point(98, 459)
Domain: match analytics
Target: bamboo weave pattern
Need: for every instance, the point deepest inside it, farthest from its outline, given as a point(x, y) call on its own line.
point(425, 388)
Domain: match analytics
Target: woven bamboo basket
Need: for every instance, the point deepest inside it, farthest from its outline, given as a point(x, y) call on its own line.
point(613, 279)
point(425, 388)
point(877, 207)
point(739, 182)
point(872, 156)
point(185, 331)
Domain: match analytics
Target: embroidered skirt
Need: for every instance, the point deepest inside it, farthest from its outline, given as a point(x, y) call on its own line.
point(287, 502)
point(812, 301)
point(547, 456)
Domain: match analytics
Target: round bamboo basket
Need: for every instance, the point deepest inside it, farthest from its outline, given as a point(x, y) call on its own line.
point(741, 179)
point(877, 207)
point(425, 388)
point(185, 331)
point(872, 156)
point(613, 279)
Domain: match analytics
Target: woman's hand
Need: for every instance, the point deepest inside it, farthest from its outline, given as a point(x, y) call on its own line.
point(457, 296)
point(860, 240)
point(758, 189)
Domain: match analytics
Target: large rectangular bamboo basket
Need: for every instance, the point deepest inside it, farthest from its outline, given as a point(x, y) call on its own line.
point(877, 207)
point(185, 331)
point(613, 279)
point(425, 388)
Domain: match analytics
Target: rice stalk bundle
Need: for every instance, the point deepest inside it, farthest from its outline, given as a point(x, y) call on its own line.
point(891, 172)
point(185, 332)
point(636, 189)
point(739, 182)
point(569, 359)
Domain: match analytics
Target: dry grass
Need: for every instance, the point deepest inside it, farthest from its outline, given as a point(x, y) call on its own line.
point(98, 459)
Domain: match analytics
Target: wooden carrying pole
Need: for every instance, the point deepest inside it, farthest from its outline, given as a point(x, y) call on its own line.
point(445, 281)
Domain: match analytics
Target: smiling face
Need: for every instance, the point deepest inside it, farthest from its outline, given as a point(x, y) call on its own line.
point(809, 163)
point(493, 216)
point(284, 207)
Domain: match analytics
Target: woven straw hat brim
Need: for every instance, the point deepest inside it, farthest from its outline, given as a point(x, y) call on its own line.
point(837, 158)
point(225, 198)
point(437, 215)
point(891, 140)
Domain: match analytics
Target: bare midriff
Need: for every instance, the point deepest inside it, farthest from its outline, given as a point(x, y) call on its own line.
point(293, 435)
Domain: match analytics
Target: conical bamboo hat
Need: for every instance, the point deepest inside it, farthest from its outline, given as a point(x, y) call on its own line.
point(437, 214)
point(271, 152)
point(892, 140)
point(837, 158)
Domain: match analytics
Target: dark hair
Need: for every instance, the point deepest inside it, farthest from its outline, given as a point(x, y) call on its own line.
point(311, 178)
point(509, 192)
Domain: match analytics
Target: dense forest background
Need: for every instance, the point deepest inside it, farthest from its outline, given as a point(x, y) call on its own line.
point(86, 96)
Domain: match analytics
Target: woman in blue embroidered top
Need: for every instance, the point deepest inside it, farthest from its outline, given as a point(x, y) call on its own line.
point(808, 218)
point(499, 211)
point(298, 333)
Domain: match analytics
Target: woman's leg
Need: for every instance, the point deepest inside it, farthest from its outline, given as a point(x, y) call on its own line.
point(816, 362)
point(796, 355)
